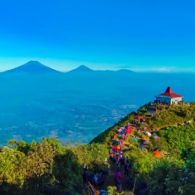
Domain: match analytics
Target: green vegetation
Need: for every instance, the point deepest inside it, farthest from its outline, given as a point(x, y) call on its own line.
point(173, 115)
point(174, 172)
point(50, 167)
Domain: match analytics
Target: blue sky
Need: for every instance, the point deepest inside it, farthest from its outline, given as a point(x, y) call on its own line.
point(103, 34)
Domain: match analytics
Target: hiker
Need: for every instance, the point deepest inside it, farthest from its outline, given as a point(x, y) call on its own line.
point(123, 136)
point(95, 179)
point(123, 130)
point(101, 178)
point(113, 156)
point(117, 160)
point(127, 167)
point(122, 159)
point(118, 178)
point(103, 192)
point(142, 146)
point(85, 175)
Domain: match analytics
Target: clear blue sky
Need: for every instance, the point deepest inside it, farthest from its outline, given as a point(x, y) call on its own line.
point(157, 35)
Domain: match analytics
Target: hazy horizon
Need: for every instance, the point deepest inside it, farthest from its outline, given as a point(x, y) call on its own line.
point(91, 66)
point(77, 107)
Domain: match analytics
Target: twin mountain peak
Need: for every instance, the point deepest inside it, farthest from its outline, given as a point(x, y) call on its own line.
point(37, 67)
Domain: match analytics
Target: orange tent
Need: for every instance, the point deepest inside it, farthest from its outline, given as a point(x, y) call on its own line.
point(115, 136)
point(118, 147)
point(157, 154)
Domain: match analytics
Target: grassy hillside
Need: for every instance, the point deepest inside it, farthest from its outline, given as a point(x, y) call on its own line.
point(164, 116)
point(173, 134)
point(52, 168)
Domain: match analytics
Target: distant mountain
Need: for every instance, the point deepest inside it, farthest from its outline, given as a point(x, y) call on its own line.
point(32, 67)
point(125, 71)
point(81, 69)
point(35, 67)
point(84, 69)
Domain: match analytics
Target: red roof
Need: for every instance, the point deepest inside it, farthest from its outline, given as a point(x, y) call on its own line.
point(169, 92)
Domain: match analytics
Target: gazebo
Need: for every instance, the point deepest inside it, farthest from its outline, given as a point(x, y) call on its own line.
point(169, 97)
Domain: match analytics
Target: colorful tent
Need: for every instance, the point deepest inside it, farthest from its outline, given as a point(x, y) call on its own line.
point(114, 148)
point(129, 129)
point(134, 139)
point(115, 136)
point(157, 154)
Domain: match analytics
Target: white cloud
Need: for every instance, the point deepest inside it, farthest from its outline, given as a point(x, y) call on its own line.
point(154, 69)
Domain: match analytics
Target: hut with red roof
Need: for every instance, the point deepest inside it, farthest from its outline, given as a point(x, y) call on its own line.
point(169, 97)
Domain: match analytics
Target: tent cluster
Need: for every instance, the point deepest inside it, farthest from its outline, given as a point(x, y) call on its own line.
point(119, 137)
point(137, 133)
point(132, 133)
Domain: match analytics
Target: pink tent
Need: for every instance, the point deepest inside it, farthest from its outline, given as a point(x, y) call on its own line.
point(129, 129)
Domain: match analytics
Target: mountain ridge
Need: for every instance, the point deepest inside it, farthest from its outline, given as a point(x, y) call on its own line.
point(34, 67)
point(81, 69)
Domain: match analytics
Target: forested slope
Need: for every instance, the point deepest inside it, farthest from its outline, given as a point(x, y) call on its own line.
point(52, 168)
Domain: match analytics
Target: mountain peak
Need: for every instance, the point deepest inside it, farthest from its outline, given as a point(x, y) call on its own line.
point(32, 67)
point(82, 68)
point(33, 62)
